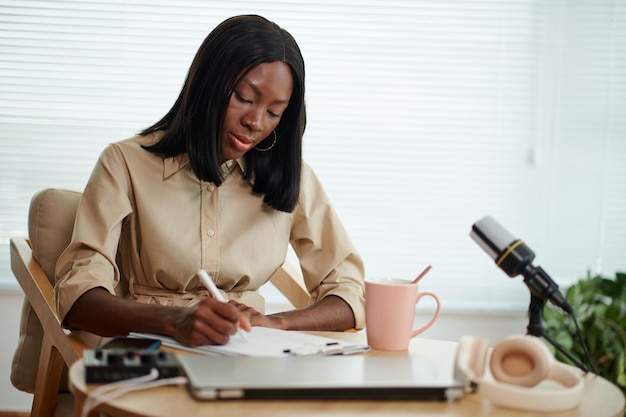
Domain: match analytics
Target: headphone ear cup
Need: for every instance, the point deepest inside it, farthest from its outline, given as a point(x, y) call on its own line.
point(520, 360)
point(471, 358)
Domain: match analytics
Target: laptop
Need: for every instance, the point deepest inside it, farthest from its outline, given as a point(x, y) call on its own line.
point(358, 377)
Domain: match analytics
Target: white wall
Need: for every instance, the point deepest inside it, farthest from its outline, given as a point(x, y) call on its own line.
point(450, 326)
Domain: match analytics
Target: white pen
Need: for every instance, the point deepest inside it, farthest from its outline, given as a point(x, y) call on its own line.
point(210, 285)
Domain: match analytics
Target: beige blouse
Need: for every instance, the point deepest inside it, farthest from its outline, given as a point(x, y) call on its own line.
point(163, 224)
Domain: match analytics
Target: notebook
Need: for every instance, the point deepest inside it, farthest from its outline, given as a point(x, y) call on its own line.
point(317, 378)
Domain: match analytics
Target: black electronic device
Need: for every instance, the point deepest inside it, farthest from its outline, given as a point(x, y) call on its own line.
point(129, 342)
point(514, 257)
point(110, 365)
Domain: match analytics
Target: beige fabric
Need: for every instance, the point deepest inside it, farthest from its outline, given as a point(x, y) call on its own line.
point(50, 223)
point(169, 224)
point(26, 357)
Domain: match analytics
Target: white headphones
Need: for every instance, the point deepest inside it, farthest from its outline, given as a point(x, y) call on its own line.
point(517, 364)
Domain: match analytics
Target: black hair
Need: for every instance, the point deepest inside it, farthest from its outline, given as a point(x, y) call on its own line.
point(195, 121)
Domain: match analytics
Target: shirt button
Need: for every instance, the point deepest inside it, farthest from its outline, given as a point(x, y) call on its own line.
point(211, 188)
point(210, 232)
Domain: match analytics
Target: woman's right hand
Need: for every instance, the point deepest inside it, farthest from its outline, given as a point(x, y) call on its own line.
point(210, 322)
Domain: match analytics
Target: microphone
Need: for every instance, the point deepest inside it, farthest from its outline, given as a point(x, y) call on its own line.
point(514, 257)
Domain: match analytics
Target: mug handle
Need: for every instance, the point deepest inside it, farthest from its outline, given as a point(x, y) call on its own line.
point(435, 316)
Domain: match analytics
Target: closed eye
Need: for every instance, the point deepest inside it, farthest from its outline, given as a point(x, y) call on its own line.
point(241, 98)
point(244, 100)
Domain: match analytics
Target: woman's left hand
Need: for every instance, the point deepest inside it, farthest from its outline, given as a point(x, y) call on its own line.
point(328, 314)
point(257, 318)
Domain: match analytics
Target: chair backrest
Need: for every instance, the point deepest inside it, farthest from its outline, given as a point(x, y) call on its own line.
point(50, 224)
point(44, 349)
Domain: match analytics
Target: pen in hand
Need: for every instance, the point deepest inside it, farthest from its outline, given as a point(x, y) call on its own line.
point(210, 285)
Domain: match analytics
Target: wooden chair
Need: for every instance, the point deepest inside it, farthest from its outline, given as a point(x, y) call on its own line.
point(45, 350)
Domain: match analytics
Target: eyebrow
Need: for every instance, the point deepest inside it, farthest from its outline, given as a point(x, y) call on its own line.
point(258, 92)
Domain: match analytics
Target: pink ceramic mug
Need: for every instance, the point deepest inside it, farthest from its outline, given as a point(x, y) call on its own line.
point(390, 310)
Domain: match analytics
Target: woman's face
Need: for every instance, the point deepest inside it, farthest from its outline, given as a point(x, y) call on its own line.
point(255, 108)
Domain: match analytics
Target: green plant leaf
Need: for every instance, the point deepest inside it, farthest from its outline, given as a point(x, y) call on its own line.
point(600, 307)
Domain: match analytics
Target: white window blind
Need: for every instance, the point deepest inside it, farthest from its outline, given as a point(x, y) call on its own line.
point(423, 116)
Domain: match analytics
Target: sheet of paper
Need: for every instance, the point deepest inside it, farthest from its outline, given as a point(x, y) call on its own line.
point(265, 341)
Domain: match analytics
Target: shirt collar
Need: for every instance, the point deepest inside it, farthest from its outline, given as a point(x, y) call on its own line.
point(173, 164)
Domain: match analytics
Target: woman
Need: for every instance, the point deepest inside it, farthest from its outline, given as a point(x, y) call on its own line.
point(219, 184)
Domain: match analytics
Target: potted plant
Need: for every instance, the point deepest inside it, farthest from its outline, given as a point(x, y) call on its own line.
point(599, 304)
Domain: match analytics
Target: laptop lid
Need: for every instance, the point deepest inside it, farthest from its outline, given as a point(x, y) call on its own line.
point(317, 377)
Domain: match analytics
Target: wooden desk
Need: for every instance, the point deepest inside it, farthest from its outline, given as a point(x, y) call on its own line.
point(601, 398)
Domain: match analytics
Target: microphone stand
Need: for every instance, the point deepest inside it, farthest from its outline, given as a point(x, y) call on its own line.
point(535, 328)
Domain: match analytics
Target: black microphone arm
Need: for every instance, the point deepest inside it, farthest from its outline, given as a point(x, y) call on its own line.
point(541, 285)
point(514, 257)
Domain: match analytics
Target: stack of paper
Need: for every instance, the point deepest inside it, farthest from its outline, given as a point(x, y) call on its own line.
point(265, 341)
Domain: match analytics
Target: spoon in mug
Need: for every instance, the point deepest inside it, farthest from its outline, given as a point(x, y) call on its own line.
point(420, 276)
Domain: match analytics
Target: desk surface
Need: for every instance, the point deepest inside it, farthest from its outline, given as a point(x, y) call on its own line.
point(601, 398)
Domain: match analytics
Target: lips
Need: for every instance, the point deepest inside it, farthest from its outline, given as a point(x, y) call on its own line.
point(241, 143)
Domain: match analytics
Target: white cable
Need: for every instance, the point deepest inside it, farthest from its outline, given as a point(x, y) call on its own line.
point(115, 389)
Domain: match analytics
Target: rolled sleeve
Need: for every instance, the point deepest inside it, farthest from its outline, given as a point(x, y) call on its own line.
point(89, 260)
point(330, 263)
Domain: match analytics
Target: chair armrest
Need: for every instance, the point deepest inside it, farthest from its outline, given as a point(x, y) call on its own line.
point(289, 282)
point(39, 293)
